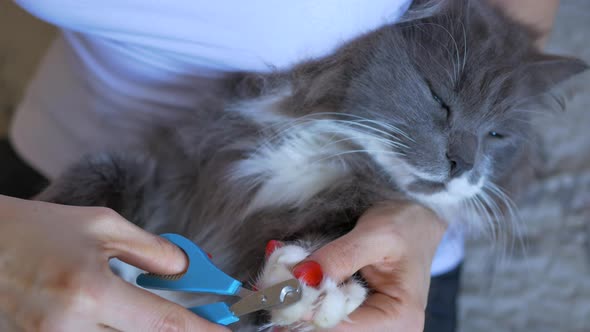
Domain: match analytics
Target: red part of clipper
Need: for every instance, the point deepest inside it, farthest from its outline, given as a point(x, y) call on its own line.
point(271, 246)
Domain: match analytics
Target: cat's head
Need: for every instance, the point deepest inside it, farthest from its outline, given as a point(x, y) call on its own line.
point(446, 99)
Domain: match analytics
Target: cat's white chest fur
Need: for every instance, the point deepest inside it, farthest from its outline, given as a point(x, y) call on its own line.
point(294, 169)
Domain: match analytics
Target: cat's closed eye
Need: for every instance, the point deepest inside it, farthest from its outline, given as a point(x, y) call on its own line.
point(442, 104)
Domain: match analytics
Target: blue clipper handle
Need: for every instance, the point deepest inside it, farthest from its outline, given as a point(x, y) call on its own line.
point(201, 276)
point(218, 313)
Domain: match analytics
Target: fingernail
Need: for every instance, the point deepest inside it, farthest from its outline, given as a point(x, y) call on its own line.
point(271, 246)
point(309, 272)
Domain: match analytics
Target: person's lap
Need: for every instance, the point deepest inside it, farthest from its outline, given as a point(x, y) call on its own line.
point(18, 179)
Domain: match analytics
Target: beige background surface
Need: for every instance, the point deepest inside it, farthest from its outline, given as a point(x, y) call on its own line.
point(546, 289)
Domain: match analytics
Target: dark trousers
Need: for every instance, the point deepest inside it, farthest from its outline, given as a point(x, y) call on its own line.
point(441, 311)
point(18, 179)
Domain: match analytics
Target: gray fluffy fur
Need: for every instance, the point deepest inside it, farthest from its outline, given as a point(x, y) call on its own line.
point(482, 65)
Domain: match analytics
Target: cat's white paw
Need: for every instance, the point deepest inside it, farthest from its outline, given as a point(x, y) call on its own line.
point(323, 306)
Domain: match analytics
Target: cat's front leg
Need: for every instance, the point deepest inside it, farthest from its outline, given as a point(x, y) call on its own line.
point(324, 303)
point(114, 181)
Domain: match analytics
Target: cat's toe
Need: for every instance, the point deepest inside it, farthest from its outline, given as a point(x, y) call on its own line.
point(279, 264)
point(277, 269)
point(320, 307)
point(338, 302)
point(356, 293)
point(300, 313)
point(331, 309)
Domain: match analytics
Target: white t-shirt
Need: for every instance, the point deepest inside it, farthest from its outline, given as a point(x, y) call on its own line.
point(119, 62)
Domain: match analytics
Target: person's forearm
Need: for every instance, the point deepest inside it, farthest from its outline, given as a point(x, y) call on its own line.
point(537, 14)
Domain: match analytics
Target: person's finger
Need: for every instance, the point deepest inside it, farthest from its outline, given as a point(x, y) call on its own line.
point(363, 246)
point(377, 239)
point(133, 245)
point(105, 328)
point(381, 312)
point(133, 309)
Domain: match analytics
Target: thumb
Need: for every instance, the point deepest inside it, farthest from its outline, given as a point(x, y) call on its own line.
point(368, 243)
point(137, 247)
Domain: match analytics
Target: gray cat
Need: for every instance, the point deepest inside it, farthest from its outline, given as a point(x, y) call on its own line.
point(435, 109)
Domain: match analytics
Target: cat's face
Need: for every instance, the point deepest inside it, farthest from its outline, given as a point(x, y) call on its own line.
point(440, 104)
point(452, 104)
point(455, 137)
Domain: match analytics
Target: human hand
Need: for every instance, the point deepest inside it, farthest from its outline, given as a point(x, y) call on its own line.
point(393, 247)
point(54, 272)
point(536, 14)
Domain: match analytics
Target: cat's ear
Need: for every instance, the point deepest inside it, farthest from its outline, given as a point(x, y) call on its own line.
point(319, 86)
point(327, 88)
point(543, 72)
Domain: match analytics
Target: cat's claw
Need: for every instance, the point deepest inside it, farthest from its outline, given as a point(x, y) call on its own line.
point(323, 306)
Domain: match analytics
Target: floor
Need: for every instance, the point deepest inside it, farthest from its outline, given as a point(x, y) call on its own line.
point(546, 287)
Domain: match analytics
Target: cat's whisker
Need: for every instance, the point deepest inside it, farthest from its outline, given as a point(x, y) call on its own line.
point(365, 135)
point(512, 236)
point(481, 222)
point(471, 216)
point(455, 68)
point(484, 214)
point(359, 124)
point(361, 119)
point(266, 326)
point(291, 124)
point(388, 142)
point(355, 151)
point(354, 123)
point(496, 215)
point(355, 138)
point(504, 197)
point(533, 111)
point(388, 126)
point(294, 127)
point(285, 125)
point(475, 213)
point(285, 128)
point(512, 218)
point(464, 46)
point(394, 140)
point(457, 65)
point(499, 246)
point(438, 63)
